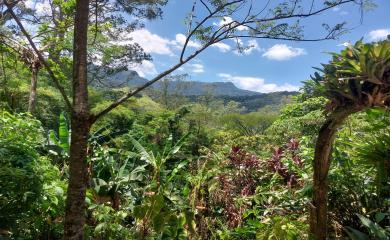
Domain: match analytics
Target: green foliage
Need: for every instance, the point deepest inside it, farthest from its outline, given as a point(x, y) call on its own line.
point(110, 223)
point(375, 231)
point(20, 187)
point(116, 171)
point(298, 119)
point(250, 124)
point(252, 103)
point(32, 194)
point(159, 209)
point(63, 138)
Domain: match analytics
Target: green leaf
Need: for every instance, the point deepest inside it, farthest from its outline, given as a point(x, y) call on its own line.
point(158, 222)
point(355, 234)
point(100, 227)
point(140, 211)
point(379, 217)
point(63, 133)
point(374, 228)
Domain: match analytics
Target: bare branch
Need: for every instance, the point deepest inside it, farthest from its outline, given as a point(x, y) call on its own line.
point(202, 22)
point(205, 5)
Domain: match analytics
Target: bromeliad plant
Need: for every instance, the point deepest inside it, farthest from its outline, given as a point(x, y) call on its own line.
point(356, 79)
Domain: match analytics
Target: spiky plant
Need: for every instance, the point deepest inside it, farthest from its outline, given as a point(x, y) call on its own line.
point(359, 76)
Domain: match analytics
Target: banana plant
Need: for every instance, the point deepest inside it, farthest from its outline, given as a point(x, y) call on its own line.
point(157, 160)
point(115, 173)
point(63, 139)
point(61, 144)
point(158, 210)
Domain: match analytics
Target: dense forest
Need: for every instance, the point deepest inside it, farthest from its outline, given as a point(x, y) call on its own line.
point(83, 159)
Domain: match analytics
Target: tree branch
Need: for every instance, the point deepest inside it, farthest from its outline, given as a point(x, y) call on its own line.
point(147, 84)
point(40, 56)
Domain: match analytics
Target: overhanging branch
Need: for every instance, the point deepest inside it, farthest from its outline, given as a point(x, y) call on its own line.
point(40, 56)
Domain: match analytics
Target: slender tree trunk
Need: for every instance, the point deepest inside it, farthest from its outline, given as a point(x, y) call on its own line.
point(80, 125)
point(5, 82)
point(32, 101)
point(323, 150)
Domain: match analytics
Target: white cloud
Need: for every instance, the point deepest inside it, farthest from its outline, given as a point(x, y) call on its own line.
point(196, 68)
point(181, 39)
point(256, 84)
point(281, 52)
point(151, 43)
point(41, 7)
point(227, 20)
point(249, 48)
point(146, 68)
point(253, 45)
point(379, 34)
point(222, 47)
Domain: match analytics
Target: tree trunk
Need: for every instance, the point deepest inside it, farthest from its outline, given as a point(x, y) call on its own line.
point(323, 149)
point(80, 125)
point(32, 101)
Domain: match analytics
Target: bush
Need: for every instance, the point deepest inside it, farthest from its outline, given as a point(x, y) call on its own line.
point(31, 192)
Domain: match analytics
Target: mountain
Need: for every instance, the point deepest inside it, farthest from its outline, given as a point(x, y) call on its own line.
point(225, 91)
point(186, 88)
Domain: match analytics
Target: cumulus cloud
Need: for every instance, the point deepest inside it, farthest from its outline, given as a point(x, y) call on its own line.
point(151, 43)
point(144, 69)
point(155, 44)
point(227, 20)
point(249, 48)
point(222, 47)
point(379, 34)
point(256, 84)
point(196, 68)
point(181, 39)
point(281, 52)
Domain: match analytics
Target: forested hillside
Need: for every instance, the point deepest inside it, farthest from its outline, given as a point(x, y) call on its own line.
point(91, 150)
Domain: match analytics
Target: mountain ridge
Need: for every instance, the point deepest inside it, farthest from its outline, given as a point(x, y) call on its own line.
point(187, 88)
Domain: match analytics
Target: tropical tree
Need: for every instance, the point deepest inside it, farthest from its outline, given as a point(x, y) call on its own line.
point(354, 80)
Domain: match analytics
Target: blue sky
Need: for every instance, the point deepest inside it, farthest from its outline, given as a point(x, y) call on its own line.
point(272, 65)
